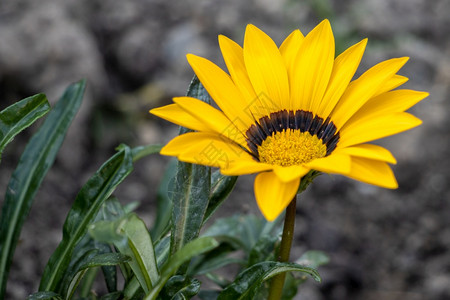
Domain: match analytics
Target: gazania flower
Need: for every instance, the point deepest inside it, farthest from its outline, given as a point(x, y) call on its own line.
point(287, 110)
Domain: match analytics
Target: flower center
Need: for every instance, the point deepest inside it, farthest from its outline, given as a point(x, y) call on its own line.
point(289, 138)
point(291, 147)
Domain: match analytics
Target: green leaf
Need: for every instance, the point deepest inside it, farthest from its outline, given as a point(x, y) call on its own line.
point(291, 285)
point(190, 199)
point(131, 237)
point(44, 296)
point(313, 259)
point(87, 203)
point(248, 282)
point(133, 289)
point(180, 287)
point(140, 245)
point(88, 282)
point(92, 261)
point(221, 187)
point(141, 151)
point(263, 249)
point(79, 258)
point(162, 250)
point(164, 203)
point(110, 275)
point(242, 231)
point(214, 259)
point(105, 259)
point(192, 185)
point(86, 247)
point(193, 248)
point(37, 158)
point(19, 116)
point(111, 208)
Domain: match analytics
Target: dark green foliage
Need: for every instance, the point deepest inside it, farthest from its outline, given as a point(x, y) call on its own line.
point(191, 190)
point(180, 287)
point(248, 282)
point(85, 208)
point(19, 116)
point(34, 163)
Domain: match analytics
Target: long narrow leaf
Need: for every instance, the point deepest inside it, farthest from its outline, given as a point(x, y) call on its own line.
point(241, 231)
point(192, 186)
point(87, 203)
point(190, 200)
point(44, 296)
point(131, 237)
point(248, 282)
point(180, 287)
point(142, 151)
point(36, 160)
point(133, 289)
point(96, 260)
point(140, 247)
point(221, 187)
point(212, 260)
point(19, 116)
point(111, 208)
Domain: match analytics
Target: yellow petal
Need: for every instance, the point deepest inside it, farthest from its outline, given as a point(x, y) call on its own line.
point(372, 172)
point(387, 103)
point(312, 67)
point(233, 56)
point(175, 114)
point(245, 166)
point(274, 195)
point(291, 45)
point(204, 148)
point(266, 69)
point(369, 151)
point(362, 89)
point(289, 49)
point(372, 129)
point(290, 173)
point(334, 163)
point(394, 82)
point(222, 89)
point(212, 118)
point(344, 68)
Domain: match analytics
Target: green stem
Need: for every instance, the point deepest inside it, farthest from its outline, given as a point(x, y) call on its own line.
point(276, 286)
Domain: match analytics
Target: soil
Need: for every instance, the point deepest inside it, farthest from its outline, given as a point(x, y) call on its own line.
point(383, 244)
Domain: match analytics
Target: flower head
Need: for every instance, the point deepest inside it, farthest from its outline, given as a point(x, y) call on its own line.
point(287, 110)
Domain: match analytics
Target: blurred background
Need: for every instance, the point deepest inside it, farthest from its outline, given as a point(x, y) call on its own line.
point(383, 244)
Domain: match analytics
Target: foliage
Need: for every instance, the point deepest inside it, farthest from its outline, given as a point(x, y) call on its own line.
point(103, 237)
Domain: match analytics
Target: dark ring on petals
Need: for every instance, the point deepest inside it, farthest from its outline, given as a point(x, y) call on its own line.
point(301, 120)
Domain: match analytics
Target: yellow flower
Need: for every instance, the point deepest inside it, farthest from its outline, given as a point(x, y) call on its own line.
point(287, 110)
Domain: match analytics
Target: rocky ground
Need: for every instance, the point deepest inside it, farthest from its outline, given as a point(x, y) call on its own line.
point(383, 244)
